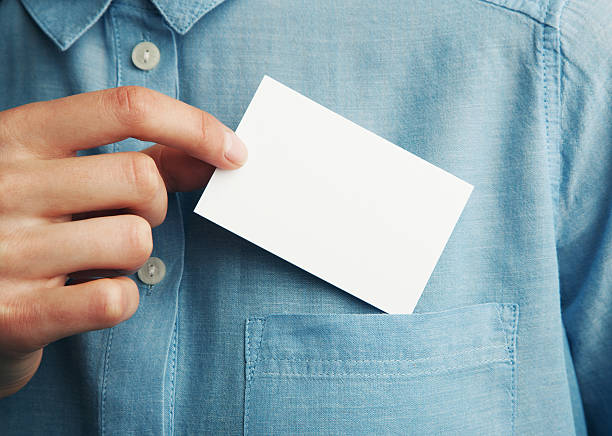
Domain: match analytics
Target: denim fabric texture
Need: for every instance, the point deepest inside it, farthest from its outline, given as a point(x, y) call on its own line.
point(513, 333)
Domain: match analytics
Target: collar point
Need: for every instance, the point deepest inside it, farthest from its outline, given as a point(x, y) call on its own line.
point(65, 32)
point(182, 19)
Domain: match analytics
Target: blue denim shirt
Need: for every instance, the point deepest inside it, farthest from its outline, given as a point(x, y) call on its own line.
point(513, 333)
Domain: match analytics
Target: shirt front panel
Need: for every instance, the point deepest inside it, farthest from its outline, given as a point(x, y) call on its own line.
point(460, 85)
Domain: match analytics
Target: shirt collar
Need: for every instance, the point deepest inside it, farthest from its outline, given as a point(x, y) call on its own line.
point(64, 21)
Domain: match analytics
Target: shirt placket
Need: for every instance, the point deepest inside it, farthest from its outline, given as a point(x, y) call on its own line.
point(140, 358)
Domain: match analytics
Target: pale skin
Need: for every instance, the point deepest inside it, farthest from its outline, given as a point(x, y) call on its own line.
point(64, 216)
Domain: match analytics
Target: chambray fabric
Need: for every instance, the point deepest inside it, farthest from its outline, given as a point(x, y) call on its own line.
point(513, 333)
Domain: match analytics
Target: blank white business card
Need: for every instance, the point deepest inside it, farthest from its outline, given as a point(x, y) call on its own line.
point(336, 200)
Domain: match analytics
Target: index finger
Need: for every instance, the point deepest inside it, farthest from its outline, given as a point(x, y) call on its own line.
point(58, 128)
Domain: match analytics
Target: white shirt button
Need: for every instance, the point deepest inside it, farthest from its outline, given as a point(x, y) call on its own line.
point(145, 55)
point(152, 272)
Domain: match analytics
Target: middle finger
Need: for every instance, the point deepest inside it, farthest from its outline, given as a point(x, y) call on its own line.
point(53, 188)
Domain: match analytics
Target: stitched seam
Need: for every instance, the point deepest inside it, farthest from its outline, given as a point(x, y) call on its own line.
point(258, 346)
point(178, 291)
point(424, 359)
point(117, 47)
point(546, 94)
point(182, 22)
point(105, 381)
point(135, 7)
point(543, 6)
point(510, 338)
point(177, 86)
point(549, 76)
point(389, 374)
point(252, 355)
point(519, 7)
point(512, 367)
point(560, 109)
point(177, 320)
point(172, 378)
point(117, 56)
point(248, 372)
point(247, 388)
point(504, 329)
point(92, 19)
point(41, 23)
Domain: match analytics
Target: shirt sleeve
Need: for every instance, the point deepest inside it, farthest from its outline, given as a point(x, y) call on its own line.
point(584, 218)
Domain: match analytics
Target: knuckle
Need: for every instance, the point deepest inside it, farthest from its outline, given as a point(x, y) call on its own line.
point(108, 302)
point(7, 315)
point(5, 179)
point(209, 134)
point(14, 252)
point(158, 211)
point(15, 185)
point(139, 240)
point(129, 104)
point(11, 124)
point(17, 317)
point(5, 254)
point(205, 128)
point(142, 174)
point(7, 184)
point(5, 134)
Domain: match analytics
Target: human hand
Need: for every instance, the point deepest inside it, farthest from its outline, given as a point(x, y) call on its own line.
point(62, 215)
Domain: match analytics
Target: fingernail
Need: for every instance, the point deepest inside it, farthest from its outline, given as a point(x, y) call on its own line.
point(235, 150)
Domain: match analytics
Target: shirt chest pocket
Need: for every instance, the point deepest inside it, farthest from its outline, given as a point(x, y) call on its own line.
point(450, 372)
